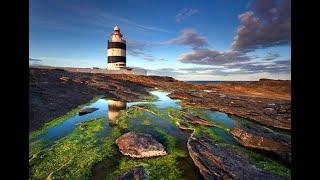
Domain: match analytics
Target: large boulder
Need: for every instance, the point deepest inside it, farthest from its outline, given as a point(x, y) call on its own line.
point(137, 173)
point(258, 137)
point(139, 145)
point(218, 161)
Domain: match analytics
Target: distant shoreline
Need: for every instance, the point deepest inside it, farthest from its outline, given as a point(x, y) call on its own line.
point(215, 82)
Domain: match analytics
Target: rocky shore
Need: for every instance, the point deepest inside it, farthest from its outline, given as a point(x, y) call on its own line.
point(262, 107)
point(57, 91)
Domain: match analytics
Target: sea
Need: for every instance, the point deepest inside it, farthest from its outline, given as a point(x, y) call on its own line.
point(215, 82)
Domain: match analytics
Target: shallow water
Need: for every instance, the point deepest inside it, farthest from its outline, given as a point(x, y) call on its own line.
point(221, 118)
point(110, 109)
point(106, 108)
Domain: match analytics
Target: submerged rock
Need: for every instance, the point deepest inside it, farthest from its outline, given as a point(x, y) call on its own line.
point(196, 120)
point(218, 161)
point(138, 173)
point(258, 137)
point(139, 145)
point(87, 110)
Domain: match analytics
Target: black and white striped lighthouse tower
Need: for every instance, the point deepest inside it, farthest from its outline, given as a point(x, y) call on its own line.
point(116, 51)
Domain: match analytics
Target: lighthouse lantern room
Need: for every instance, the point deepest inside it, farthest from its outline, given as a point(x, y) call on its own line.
point(116, 51)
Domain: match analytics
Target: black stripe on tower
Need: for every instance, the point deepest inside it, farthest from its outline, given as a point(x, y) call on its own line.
point(115, 59)
point(119, 45)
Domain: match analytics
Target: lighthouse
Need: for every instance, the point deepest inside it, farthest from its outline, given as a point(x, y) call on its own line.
point(116, 51)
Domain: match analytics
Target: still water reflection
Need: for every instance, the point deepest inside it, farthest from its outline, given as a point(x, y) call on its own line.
point(108, 109)
point(114, 109)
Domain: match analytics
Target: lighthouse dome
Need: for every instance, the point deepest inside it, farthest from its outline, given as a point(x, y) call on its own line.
point(116, 28)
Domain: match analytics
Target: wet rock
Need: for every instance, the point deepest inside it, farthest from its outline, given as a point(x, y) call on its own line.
point(217, 161)
point(248, 107)
point(196, 120)
point(139, 145)
point(138, 173)
point(184, 126)
point(258, 137)
point(87, 110)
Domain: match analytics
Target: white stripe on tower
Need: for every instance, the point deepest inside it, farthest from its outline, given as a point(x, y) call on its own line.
point(116, 52)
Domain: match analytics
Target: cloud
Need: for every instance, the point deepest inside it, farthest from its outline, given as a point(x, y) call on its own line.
point(282, 66)
point(190, 37)
point(185, 13)
point(34, 60)
point(251, 68)
point(271, 56)
point(213, 57)
point(140, 49)
point(82, 14)
point(267, 24)
point(131, 23)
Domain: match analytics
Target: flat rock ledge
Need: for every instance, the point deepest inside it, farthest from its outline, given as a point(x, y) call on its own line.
point(139, 145)
point(257, 137)
point(218, 161)
point(196, 119)
point(137, 173)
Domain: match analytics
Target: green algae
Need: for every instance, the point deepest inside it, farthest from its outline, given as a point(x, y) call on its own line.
point(135, 112)
point(274, 129)
point(264, 162)
point(149, 98)
point(174, 115)
point(73, 156)
point(59, 120)
point(203, 114)
point(200, 131)
point(146, 122)
point(156, 167)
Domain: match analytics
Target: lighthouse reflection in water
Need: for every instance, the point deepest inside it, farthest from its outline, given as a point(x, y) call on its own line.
point(115, 106)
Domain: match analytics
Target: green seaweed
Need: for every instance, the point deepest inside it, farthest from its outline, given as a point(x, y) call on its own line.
point(199, 112)
point(146, 122)
point(149, 98)
point(174, 115)
point(156, 167)
point(200, 131)
point(73, 156)
point(264, 162)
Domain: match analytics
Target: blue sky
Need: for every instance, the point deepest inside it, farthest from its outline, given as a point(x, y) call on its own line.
point(189, 40)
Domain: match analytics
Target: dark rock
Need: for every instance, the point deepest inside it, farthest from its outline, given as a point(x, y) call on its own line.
point(138, 173)
point(248, 107)
point(139, 145)
point(217, 161)
point(196, 119)
point(87, 110)
point(258, 137)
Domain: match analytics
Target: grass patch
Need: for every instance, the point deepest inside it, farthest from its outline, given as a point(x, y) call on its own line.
point(60, 119)
point(73, 156)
